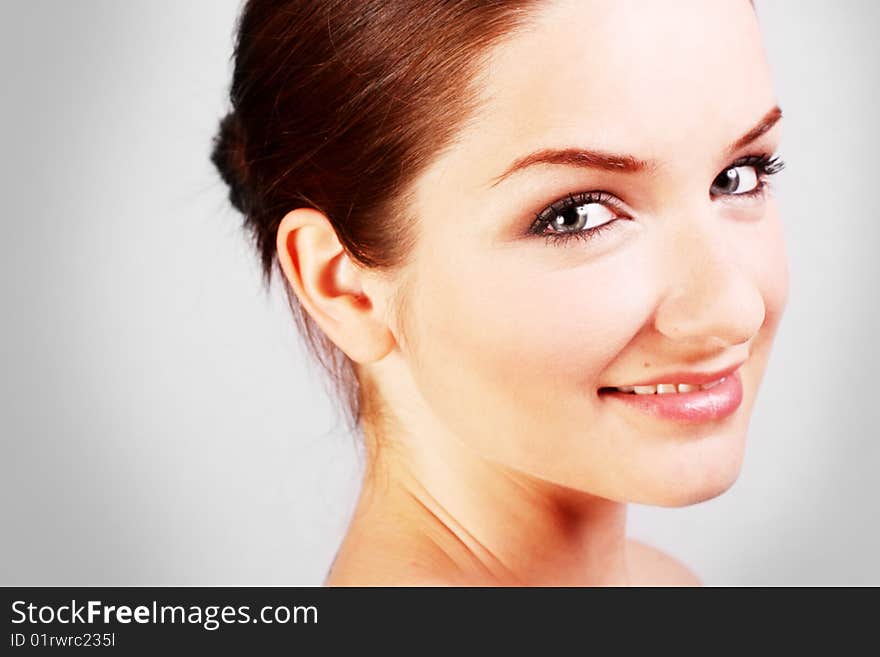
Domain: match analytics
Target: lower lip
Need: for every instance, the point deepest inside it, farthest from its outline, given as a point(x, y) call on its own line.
point(717, 402)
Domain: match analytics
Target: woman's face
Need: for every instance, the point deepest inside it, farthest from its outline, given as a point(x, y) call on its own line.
point(514, 333)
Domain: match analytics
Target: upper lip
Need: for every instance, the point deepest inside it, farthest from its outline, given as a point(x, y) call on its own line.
point(693, 378)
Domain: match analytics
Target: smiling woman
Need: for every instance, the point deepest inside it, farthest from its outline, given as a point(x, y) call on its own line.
point(536, 246)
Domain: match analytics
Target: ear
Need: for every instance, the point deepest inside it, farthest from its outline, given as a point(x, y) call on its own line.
point(331, 287)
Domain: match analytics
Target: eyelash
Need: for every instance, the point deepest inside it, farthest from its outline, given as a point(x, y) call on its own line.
point(765, 165)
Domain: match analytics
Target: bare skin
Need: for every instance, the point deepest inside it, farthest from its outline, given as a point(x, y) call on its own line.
point(495, 460)
point(409, 542)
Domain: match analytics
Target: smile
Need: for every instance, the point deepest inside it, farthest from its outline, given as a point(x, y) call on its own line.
point(683, 402)
point(666, 388)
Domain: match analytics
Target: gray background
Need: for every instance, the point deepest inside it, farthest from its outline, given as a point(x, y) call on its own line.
point(160, 422)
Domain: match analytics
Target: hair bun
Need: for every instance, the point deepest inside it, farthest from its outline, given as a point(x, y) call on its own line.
point(228, 155)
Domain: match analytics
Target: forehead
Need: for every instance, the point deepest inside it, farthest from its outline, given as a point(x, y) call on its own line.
point(654, 79)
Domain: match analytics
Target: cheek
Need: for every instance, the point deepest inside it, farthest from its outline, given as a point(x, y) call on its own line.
point(765, 257)
point(510, 347)
point(773, 267)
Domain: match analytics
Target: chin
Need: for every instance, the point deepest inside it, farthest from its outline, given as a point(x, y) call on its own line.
point(699, 474)
point(687, 496)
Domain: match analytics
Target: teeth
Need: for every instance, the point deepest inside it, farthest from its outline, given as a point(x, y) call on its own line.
point(667, 388)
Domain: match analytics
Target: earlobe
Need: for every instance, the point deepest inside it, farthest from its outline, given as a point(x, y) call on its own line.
point(329, 286)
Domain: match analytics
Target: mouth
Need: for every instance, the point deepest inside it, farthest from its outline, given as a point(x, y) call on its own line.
point(683, 397)
point(677, 382)
point(662, 388)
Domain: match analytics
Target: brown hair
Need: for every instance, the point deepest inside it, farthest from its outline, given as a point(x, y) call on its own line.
point(338, 106)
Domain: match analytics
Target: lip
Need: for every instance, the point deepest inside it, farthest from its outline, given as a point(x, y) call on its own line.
point(692, 378)
point(716, 403)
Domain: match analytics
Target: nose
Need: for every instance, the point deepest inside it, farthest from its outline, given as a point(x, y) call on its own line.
point(709, 298)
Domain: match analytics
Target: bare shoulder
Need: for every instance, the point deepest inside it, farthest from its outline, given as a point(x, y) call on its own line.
point(401, 578)
point(404, 564)
point(653, 567)
point(386, 574)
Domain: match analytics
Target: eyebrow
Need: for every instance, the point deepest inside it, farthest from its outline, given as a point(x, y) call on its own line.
point(618, 162)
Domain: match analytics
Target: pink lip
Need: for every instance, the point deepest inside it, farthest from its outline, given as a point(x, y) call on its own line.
point(693, 378)
point(717, 402)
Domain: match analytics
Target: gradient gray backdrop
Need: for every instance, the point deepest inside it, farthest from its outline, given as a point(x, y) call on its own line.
point(160, 423)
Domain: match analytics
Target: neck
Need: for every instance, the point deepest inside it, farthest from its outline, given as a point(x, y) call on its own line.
point(479, 521)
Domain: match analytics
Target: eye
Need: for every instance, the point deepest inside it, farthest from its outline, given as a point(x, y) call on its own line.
point(735, 180)
point(581, 216)
point(746, 177)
